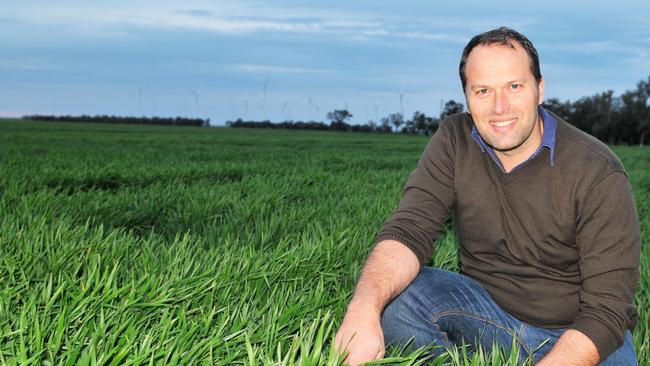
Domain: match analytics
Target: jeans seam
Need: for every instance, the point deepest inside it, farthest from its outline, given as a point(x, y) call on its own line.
point(434, 318)
point(520, 335)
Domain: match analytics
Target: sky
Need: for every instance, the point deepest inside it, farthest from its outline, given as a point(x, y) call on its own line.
point(297, 60)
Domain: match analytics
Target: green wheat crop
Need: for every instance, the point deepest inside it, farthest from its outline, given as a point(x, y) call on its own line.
point(143, 245)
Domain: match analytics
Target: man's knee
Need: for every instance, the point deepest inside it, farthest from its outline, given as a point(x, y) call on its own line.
point(398, 313)
point(416, 303)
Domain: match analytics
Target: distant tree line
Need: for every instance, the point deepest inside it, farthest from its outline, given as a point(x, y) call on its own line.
point(419, 124)
point(177, 121)
point(614, 120)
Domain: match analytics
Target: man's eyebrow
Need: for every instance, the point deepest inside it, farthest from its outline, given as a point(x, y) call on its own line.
point(479, 86)
point(514, 81)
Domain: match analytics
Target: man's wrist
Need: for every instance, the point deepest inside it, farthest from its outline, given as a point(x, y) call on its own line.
point(572, 348)
point(364, 309)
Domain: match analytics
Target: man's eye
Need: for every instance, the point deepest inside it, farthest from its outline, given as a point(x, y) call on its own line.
point(515, 86)
point(481, 91)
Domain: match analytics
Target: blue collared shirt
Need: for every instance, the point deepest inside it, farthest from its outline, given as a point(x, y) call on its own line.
point(548, 139)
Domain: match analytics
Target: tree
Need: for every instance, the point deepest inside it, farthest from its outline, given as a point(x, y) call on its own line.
point(397, 120)
point(338, 118)
point(409, 127)
point(635, 113)
point(451, 107)
point(424, 124)
point(643, 127)
point(372, 125)
point(595, 115)
point(419, 122)
point(561, 109)
point(431, 125)
point(385, 125)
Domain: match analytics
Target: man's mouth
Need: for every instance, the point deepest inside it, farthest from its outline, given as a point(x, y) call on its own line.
point(503, 123)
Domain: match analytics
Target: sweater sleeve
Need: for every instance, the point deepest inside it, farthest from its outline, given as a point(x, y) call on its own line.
point(427, 198)
point(608, 241)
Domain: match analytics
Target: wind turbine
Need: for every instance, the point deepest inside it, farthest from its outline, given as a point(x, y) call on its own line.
point(311, 103)
point(196, 94)
point(184, 108)
point(266, 84)
point(140, 90)
point(284, 109)
point(140, 101)
point(89, 107)
point(401, 99)
point(246, 106)
point(376, 112)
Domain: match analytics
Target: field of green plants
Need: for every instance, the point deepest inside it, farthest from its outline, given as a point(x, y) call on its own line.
point(142, 245)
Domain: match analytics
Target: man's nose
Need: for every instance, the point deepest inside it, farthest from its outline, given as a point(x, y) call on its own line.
point(501, 103)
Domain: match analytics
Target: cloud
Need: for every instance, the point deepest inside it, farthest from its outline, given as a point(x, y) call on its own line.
point(26, 64)
point(433, 36)
point(212, 68)
point(242, 25)
point(197, 12)
point(597, 48)
point(232, 19)
point(277, 69)
point(299, 23)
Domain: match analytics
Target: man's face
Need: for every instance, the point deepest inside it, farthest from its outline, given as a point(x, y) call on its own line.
point(502, 97)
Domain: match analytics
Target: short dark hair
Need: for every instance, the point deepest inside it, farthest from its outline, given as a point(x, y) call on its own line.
point(502, 36)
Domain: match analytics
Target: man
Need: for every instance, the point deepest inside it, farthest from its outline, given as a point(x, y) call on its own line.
point(544, 215)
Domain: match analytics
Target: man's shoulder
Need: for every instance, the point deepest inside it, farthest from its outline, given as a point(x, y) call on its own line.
point(457, 128)
point(580, 149)
point(459, 122)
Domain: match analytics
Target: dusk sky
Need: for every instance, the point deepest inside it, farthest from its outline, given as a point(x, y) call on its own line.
point(285, 59)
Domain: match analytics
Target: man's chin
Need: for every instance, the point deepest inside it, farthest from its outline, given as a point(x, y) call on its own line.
point(505, 147)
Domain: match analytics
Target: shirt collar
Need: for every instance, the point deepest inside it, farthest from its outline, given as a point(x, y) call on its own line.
point(548, 137)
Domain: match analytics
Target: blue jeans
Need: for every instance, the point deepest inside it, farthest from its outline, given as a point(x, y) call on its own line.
point(449, 309)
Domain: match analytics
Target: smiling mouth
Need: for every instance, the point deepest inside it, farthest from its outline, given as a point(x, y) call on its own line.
point(503, 123)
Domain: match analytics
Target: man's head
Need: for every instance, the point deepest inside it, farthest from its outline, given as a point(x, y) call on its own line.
point(505, 37)
point(503, 87)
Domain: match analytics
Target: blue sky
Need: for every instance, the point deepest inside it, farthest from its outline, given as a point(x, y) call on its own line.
point(295, 59)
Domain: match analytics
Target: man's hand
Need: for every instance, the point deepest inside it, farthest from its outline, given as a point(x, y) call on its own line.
point(390, 267)
point(360, 335)
point(572, 348)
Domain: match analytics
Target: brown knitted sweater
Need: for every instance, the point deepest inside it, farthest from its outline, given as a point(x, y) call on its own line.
point(557, 245)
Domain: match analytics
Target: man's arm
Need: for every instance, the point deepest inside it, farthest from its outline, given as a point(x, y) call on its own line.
point(572, 349)
point(390, 267)
point(608, 242)
point(403, 245)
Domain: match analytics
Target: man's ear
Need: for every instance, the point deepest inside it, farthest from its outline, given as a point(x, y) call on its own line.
point(540, 89)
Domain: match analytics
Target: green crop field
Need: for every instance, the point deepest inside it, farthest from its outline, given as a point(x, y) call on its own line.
point(142, 245)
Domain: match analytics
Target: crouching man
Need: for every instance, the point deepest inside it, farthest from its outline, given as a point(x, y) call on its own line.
point(547, 227)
